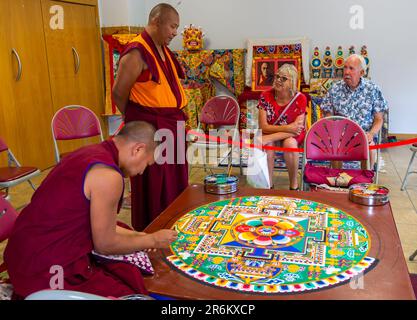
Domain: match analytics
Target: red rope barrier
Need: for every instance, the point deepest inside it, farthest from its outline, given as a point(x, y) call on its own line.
point(251, 145)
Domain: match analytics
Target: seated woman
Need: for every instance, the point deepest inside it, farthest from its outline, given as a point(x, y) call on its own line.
point(281, 118)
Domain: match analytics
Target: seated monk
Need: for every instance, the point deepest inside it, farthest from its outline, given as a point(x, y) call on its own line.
point(73, 212)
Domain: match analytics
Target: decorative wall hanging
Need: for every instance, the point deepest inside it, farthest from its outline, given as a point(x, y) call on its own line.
point(192, 38)
point(364, 54)
point(339, 63)
point(316, 64)
point(327, 64)
point(113, 47)
point(277, 48)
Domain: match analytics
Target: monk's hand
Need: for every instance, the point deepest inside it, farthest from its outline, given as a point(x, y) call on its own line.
point(163, 238)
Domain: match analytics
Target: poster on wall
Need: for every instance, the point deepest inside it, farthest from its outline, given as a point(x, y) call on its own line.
point(264, 74)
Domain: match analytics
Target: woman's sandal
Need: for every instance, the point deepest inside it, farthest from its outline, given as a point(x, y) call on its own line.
point(295, 189)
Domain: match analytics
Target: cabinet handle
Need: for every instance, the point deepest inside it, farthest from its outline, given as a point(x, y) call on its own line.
point(77, 60)
point(19, 70)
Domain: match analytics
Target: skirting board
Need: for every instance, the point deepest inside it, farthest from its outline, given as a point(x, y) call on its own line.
point(403, 136)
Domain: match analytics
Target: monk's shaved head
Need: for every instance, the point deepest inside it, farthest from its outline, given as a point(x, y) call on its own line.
point(160, 12)
point(138, 131)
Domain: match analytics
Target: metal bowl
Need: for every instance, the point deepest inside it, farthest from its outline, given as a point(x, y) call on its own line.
point(369, 194)
point(220, 184)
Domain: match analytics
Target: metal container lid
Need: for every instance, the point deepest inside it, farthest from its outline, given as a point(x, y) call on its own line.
point(220, 179)
point(369, 194)
point(220, 184)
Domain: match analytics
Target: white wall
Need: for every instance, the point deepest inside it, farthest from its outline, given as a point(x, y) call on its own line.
point(138, 16)
point(122, 13)
point(113, 12)
point(389, 32)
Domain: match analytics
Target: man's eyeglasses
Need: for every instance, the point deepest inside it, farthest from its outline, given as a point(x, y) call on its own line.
point(281, 78)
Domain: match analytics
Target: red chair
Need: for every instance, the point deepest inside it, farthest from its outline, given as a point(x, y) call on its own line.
point(335, 139)
point(74, 122)
point(8, 217)
point(14, 173)
point(221, 113)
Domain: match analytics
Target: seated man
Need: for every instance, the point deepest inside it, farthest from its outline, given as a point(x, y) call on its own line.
point(358, 99)
point(73, 212)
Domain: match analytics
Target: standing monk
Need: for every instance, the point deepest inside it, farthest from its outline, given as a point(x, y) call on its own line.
point(73, 212)
point(148, 88)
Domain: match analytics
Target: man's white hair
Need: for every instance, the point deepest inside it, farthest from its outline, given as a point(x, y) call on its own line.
point(361, 60)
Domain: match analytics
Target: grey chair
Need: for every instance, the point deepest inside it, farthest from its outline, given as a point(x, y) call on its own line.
point(408, 172)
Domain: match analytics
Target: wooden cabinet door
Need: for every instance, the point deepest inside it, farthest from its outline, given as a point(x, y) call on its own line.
point(7, 114)
point(28, 112)
point(75, 60)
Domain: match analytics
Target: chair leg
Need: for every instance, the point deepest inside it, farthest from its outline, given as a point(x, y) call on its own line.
point(408, 171)
point(5, 194)
point(32, 185)
point(411, 258)
point(230, 161)
point(205, 161)
point(378, 154)
point(240, 162)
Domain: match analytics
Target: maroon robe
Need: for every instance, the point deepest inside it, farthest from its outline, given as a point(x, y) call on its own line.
point(55, 230)
point(160, 184)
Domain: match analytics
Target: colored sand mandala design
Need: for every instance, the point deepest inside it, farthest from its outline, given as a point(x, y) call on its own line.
point(270, 245)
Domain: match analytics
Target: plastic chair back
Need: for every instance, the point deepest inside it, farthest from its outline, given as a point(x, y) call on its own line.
point(220, 111)
point(336, 138)
point(75, 122)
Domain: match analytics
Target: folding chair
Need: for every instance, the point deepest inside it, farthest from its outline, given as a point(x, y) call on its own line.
point(335, 139)
point(14, 173)
point(222, 113)
point(408, 172)
point(74, 122)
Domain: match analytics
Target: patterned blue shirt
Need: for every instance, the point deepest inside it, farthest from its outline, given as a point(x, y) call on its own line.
point(359, 105)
